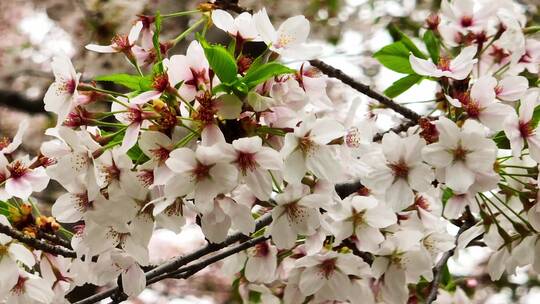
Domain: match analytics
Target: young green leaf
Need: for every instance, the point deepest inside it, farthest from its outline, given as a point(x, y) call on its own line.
point(402, 85)
point(395, 56)
point(133, 82)
point(155, 40)
point(220, 60)
point(263, 72)
point(501, 140)
point(432, 44)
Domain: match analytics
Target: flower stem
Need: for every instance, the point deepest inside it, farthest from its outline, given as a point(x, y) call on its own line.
point(180, 14)
point(188, 31)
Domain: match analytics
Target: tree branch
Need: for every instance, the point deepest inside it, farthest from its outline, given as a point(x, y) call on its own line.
point(365, 89)
point(19, 102)
point(35, 243)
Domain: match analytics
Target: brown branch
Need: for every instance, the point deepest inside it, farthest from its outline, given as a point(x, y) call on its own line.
point(20, 102)
point(365, 89)
point(55, 239)
point(36, 243)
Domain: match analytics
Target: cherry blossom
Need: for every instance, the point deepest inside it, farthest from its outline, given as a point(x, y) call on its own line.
point(62, 93)
point(457, 68)
point(520, 128)
point(241, 27)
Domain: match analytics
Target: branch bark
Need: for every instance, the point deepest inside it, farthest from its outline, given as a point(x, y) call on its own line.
point(365, 89)
point(36, 243)
point(17, 101)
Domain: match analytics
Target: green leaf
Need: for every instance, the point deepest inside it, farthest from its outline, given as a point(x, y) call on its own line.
point(446, 195)
point(412, 47)
point(155, 40)
point(134, 82)
point(137, 155)
point(432, 45)
point(402, 85)
point(261, 73)
point(220, 60)
point(395, 56)
point(501, 140)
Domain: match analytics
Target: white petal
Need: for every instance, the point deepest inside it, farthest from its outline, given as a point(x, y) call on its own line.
point(133, 281)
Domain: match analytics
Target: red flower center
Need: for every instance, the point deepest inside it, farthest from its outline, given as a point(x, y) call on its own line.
point(466, 21)
point(444, 64)
point(400, 169)
point(161, 82)
point(201, 172)
point(161, 154)
point(17, 169)
point(525, 129)
point(262, 249)
point(246, 161)
point(327, 267)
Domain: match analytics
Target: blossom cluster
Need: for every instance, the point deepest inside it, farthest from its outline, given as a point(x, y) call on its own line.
point(222, 136)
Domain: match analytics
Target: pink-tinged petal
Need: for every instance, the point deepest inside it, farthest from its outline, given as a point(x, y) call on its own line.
point(528, 104)
point(494, 115)
point(145, 97)
point(39, 290)
point(448, 132)
point(295, 30)
point(224, 21)
point(225, 175)
point(260, 183)
point(211, 135)
point(56, 98)
point(455, 206)
point(453, 101)
point(325, 130)
point(459, 177)
point(324, 164)
point(151, 140)
point(133, 280)
point(294, 167)
point(63, 68)
point(134, 32)
point(162, 174)
point(20, 253)
point(179, 185)
point(248, 144)
point(269, 158)
point(131, 136)
point(37, 178)
point(19, 188)
point(66, 209)
point(182, 160)
point(280, 230)
point(400, 195)
point(423, 67)
point(264, 26)
point(101, 48)
point(512, 132)
point(437, 155)
point(483, 90)
point(420, 177)
point(512, 88)
point(9, 275)
point(534, 147)
point(311, 281)
point(195, 53)
point(177, 69)
point(464, 60)
point(380, 216)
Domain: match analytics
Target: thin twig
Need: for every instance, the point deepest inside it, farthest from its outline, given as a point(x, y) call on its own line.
point(36, 243)
point(365, 89)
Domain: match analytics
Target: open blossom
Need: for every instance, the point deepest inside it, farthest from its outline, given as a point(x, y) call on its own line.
point(134, 116)
point(520, 129)
point(254, 163)
point(10, 254)
point(481, 104)
point(120, 43)
point(306, 150)
point(458, 68)
point(191, 70)
point(362, 217)
point(226, 213)
point(296, 213)
point(467, 15)
point(8, 145)
point(61, 96)
point(21, 180)
point(460, 153)
point(289, 39)
point(241, 27)
point(158, 146)
point(327, 275)
point(398, 170)
point(30, 288)
point(205, 172)
point(261, 263)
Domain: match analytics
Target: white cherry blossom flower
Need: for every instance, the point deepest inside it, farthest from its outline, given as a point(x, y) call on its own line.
point(460, 153)
point(458, 68)
point(9, 145)
point(62, 93)
point(241, 27)
point(296, 213)
point(519, 128)
point(398, 170)
point(306, 150)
